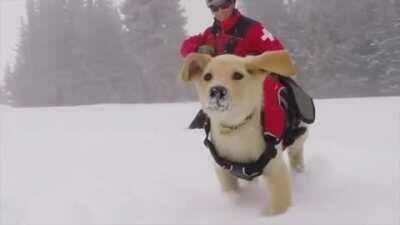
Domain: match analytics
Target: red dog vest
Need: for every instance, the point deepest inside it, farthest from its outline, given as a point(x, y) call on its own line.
point(274, 114)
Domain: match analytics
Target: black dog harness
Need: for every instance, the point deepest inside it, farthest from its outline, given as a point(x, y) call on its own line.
point(298, 107)
point(244, 170)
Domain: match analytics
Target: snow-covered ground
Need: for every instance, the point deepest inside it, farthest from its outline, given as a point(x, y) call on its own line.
point(138, 164)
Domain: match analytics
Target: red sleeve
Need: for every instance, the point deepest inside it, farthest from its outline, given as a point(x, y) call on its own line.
point(190, 44)
point(263, 40)
point(193, 42)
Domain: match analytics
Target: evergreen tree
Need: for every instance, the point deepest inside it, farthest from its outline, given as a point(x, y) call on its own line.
point(108, 73)
point(342, 48)
point(71, 53)
point(319, 47)
point(153, 33)
point(3, 92)
point(272, 13)
point(20, 83)
point(389, 44)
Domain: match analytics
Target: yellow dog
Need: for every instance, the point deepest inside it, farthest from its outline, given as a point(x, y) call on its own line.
point(230, 92)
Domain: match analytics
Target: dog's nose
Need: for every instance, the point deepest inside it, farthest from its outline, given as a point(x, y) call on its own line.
point(218, 92)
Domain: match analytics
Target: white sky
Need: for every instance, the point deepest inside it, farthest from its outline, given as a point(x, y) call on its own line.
point(11, 12)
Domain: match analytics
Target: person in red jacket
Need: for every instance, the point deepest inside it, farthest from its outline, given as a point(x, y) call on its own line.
point(233, 33)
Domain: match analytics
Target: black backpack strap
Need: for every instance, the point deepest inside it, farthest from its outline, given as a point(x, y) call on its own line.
point(241, 27)
point(215, 28)
point(237, 32)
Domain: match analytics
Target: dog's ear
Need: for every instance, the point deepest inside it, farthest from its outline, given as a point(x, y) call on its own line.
point(278, 62)
point(193, 64)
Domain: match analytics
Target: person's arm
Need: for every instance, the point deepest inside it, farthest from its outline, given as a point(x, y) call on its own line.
point(263, 40)
point(193, 43)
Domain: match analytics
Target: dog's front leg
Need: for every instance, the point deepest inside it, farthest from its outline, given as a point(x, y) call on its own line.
point(296, 158)
point(276, 175)
point(228, 181)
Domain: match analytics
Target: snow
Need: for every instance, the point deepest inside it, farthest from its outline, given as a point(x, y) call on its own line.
point(138, 164)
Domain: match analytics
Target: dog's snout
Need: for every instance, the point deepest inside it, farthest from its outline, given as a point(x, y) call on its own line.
point(218, 92)
point(219, 99)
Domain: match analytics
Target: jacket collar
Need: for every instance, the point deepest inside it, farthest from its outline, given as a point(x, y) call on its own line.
point(228, 23)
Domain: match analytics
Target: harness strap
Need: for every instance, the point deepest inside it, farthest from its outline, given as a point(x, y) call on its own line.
point(248, 170)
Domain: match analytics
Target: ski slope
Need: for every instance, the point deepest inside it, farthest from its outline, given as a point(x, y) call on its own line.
point(138, 164)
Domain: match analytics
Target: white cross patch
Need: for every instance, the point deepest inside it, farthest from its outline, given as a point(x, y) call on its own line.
point(267, 35)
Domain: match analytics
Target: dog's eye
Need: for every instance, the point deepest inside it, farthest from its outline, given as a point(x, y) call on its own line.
point(237, 76)
point(207, 77)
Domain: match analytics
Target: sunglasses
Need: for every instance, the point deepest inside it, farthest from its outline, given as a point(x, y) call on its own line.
point(225, 5)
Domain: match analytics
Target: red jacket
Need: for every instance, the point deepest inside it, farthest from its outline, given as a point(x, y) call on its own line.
point(255, 41)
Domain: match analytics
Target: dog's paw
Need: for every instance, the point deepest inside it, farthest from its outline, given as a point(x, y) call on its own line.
point(297, 164)
point(233, 196)
point(299, 168)
point(278, 206)
point(230, 187)
point(276, 210)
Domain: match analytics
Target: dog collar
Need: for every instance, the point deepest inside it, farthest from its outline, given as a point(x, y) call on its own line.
point(227, 129)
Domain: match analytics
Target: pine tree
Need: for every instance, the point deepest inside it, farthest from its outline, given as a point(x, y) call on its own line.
point(40, 55)
point(102, 59)
point(272, 13)
point(293, 22)
point(388, 41)
point(342, 48)
point(153, 33)
point(323, 52)
point(20, 82)
point(3, 92)
point(71, 52)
